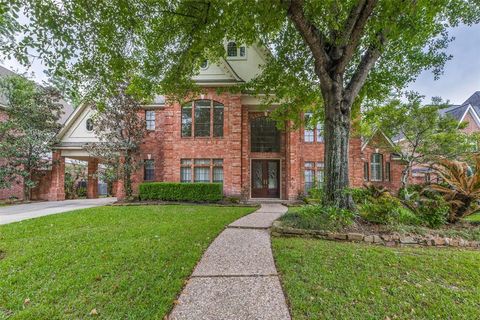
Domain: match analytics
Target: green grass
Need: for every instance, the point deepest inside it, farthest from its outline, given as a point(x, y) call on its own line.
point(330, 280)
point(127, 262)
point(474, 217)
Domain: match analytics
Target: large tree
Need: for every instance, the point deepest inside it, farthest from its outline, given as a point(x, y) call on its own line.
point(27, 135)
point(120, 129)
point(326, 56)
point(422, 135)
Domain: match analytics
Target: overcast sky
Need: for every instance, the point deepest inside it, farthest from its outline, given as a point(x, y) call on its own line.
point(461, 75)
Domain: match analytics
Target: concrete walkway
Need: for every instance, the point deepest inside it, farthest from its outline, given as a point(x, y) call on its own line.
point(19, 212)
point(236, 278)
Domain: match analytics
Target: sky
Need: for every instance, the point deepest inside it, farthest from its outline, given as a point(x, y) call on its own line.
point(461, 77)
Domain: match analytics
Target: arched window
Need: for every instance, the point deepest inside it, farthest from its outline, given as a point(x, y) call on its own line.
point(376, 167)
point(89, 124)
point(204, 64)
point(231, 49)
point(264, 135)
point(202, 118)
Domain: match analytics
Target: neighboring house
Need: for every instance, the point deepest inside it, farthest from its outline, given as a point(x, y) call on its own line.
point(469, 112)
point(228, 138)
point(16, 190)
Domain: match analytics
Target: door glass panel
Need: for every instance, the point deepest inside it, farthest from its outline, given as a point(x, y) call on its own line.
point(257, 175)
point(272, 175)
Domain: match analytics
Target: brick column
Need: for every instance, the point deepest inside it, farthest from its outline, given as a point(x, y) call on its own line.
point(57, 184)
point(120, 190)
point(92, 182)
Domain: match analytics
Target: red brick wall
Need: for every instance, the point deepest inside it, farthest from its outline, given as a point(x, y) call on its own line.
point(166, 147)
point(472, 126)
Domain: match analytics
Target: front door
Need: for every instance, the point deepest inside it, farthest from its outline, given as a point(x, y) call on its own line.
point(265, 178)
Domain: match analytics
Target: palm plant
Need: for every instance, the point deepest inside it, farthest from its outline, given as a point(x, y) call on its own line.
point(461, 187)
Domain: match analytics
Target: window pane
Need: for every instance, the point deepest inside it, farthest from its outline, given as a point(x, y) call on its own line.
point(387, 171)
point(309, 164)
point(202, 162)
point(320, 165)
point(218, 162)
point(265, 136)
point(376, 168)
point(217, 119)
point(218, 174)
point(187, 120)
point(202, 118)
point(185, 174)
point(186, 162)
point(319, 132)
point(150, 119)
point(231, 49)
point(319, 177)
point(365, 171)
point(308, 135)
point(242, 51)
point(149, 170)
point(202, 174)
point(309, 180)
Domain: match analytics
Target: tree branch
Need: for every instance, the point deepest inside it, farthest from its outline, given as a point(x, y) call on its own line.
point(353, 30)
point(312, 37)
point(366, 64)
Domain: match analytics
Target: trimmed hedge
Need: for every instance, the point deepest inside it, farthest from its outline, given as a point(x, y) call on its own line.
point(175, 191)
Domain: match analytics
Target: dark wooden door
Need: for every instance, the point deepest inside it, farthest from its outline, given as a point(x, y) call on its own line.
point(265, 179)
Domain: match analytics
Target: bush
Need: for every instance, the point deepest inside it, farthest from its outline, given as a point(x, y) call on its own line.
point(383, 210)
point(319, 217)
point(175, 191)
point(432, 212)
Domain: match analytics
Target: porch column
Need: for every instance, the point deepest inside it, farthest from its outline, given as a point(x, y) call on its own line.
point(92, 182)
point(119, 184)
point(57, 182)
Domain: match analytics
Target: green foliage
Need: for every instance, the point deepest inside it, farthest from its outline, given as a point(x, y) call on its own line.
point(460, 188)
point(175, 191)
point(433, 212)
point(383, 210)
point(318, 217)
point(27, 135)
point(425, 135)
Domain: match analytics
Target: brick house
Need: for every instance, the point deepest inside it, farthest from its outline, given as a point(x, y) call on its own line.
point(227, 137)
point(16, 189)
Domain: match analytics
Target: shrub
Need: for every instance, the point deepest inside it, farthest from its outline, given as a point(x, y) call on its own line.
point(382, 210)
point(319, 217)
point(359, 195)
point(462, 189)
point(432, 212)
point(175, 191)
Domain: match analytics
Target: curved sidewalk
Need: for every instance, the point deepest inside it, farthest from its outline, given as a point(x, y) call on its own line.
point(236, 278)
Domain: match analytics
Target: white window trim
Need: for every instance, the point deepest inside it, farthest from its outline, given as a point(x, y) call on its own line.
point(237, 57)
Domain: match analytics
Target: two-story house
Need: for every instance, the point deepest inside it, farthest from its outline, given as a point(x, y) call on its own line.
point(228, 138)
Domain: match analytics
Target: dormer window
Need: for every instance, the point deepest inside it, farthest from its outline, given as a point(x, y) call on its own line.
point(235, 51)
point(204, 64)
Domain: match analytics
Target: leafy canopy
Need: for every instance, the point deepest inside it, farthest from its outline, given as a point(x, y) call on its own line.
point(160, 44)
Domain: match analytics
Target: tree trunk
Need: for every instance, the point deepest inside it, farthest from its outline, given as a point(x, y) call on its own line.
point(337, 137)
point(128, 175)
point(405, 174)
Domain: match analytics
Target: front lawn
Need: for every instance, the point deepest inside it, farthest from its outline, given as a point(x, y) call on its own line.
point(125, 262)
point(330, 280)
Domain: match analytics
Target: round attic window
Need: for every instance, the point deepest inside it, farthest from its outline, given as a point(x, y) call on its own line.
point(204, 64)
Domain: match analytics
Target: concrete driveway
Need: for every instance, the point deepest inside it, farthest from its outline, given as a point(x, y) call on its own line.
point(21, 212)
